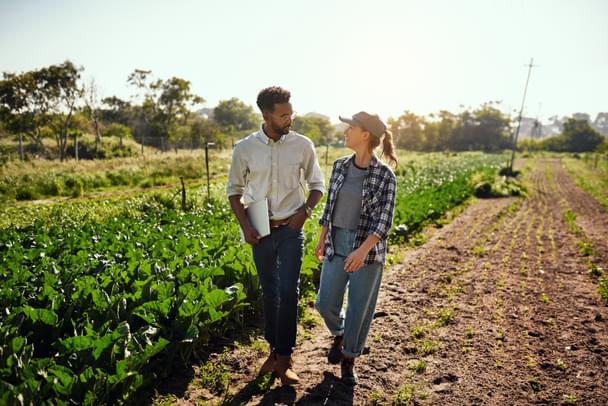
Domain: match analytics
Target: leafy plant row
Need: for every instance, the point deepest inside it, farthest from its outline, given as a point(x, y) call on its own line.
point(95, 309)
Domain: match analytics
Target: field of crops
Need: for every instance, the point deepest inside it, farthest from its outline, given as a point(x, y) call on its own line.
point(99, 298)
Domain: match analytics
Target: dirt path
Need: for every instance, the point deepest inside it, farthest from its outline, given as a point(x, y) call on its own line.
point(498, 307)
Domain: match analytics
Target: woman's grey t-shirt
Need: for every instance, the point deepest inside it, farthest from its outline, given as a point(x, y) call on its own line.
point(348, 203)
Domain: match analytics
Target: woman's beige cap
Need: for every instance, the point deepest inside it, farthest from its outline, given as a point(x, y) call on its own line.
point(371, 123)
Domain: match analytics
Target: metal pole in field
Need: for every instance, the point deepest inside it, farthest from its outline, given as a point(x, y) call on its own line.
point(207, 145)
point(521, 110)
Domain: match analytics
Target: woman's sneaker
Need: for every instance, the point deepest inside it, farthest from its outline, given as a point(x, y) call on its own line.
point(334, 356)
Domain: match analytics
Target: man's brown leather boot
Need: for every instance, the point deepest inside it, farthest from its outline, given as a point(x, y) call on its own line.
point(270, 365)
point(284, 369)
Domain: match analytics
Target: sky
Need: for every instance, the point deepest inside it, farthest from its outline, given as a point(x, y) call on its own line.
point(336, 57)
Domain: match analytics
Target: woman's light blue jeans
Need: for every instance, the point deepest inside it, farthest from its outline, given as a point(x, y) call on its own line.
point(363, 287)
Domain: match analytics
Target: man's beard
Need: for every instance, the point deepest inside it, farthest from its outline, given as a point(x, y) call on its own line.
point(280, 130)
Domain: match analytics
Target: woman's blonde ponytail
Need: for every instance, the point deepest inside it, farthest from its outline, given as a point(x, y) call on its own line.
point(388, 148)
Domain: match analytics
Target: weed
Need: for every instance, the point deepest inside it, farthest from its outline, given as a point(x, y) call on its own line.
point(531, 361)
point(585, 248)
point(535, 384)
point(602, 288)
point(469, 332)
point(259, 346)
point(426, 346)
point(478, 250)
point(418, 331)
point(418, 366)
point(404, 395)
point(375, 398)
point(445, 316)
point(214, 376)
point(594, 270)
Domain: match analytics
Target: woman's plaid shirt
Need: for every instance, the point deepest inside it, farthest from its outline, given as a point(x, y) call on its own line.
point(377, 205)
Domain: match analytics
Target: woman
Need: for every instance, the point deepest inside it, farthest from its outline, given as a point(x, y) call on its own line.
point(355, 226)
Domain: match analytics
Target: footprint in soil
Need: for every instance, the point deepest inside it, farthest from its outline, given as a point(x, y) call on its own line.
point(444, 383)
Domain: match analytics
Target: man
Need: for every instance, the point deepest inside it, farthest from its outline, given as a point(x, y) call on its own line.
point(269, 164)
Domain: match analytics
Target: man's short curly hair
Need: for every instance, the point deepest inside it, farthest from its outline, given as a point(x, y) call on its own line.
point(270, 96)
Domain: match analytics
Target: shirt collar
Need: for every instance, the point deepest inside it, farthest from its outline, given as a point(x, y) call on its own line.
point(373, 163)
point(261, 135)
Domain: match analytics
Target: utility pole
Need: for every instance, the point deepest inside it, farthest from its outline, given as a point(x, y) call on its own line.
point(521, 110)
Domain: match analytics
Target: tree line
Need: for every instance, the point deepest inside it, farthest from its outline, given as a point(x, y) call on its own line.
point(54, 103)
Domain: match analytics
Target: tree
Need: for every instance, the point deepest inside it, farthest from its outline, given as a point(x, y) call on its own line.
point(579, 136)
point(408, 130)
point(117, 130)
point(117, 111)
point(24, 106)
point(204, 130)
point(235, 117)
point(318, 129)
point(91, 110)
point(65, 93)
point(39, 99)
point(165, 103)
point(491, 130)
point(445, 129)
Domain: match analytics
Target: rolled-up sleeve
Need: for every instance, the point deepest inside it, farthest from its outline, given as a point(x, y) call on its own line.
point(237, 174)
point(324, 220)
point(312, 171)
point(382, 224)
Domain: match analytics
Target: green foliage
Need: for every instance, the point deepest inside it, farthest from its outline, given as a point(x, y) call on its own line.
point(428, 189)
point(118, 290)
point(418, 366)
point(577, 136)
point(444, 316)
point(485, 128)
point(318, 129)
point(117, 130)
point(404, 395)
point(234, 115)
point(137, 291)
point(500, 186)
point(602, 288)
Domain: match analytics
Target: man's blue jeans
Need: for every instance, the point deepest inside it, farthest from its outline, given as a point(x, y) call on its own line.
point(278, 258)
point(363, 287)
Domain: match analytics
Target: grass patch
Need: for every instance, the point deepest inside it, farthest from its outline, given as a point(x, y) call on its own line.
point(445, 316)
point(426, 346)
point(259, 345)
point(418, 332)
point(404, 395)
point(214, 376)
point(418, 366)
point(544, 298)
point(469, 332)
point(585, 248)
point(602, 288)
point(595, 270)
